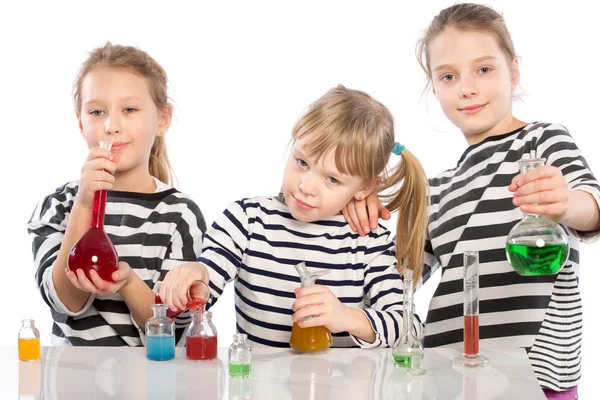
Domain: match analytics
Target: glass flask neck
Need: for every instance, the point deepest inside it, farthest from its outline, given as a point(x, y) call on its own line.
point(99, 210)
point(159, 310)
point(202, 316)
point(529, 164)
point(308, 278)
point(239, 338)
point(407, 319)
point(27, 323)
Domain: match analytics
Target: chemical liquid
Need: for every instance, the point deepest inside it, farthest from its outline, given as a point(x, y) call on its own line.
point(531, 260)
point(29, 349)
point(402, 360)
point(310, 340)
point(236, 369)
point(471, 335)
point(95, 250)
point(201, 347)
point(160, 348)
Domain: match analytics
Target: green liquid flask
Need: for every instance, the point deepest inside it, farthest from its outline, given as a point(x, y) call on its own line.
point(537, 245)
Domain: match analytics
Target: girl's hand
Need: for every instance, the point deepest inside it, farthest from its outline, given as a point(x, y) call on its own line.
point(177, 282)
point(318, 301)
point(96, 174)
point(363, 215)
point(97, 285)
point(543, 191)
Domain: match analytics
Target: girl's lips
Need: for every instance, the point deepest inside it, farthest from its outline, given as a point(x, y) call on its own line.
point(302, 205)
point(117, 146)
point(472, 109)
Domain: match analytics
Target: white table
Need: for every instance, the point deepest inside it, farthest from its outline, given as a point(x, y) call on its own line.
point(67, 373)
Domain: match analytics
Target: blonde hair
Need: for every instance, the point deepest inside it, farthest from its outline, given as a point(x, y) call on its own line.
point(140, 63)
point(360, 132)
point(466, 17)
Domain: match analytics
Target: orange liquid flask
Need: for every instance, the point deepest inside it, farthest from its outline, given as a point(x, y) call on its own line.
point(313, 339)
point(29, 341)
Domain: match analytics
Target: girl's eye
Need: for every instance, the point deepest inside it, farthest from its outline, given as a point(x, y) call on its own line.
point(96, 112)
point(485, 70)
point(302, 163)
point(332, 180)
point(448, 77)
point(129, 110)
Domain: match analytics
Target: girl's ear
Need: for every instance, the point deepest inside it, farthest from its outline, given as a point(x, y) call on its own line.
point(166, 116)
point(366, 190)
point(515, 73)
point(78, 115)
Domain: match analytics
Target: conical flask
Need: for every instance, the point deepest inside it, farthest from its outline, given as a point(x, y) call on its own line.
point(316, 338)
point(408, 350)
point(537, 245)
point(95, 250)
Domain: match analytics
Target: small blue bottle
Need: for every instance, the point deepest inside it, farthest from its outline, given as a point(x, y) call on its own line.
point(160, 335)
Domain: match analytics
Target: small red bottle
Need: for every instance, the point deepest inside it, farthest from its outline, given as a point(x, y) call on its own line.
point(201, 337)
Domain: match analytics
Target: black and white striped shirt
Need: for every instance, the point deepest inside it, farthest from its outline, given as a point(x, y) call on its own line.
point(472, 209)
point(257, 243)
point(152, 232)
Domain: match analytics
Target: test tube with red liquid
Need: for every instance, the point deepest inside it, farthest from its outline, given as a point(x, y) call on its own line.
point(198, 295)
point(471, 356)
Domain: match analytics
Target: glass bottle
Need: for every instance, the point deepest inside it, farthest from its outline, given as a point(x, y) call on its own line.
point(408, 351)
point(160, 335)
point(29, 341)
point(94, 250)
point(198, 295)
point(240, 356)
point(201, 337)
point(537, 245)
point(471, 356)
point(316, 338)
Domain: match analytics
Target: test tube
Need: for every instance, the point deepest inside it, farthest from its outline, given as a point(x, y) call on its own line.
point(471, 356)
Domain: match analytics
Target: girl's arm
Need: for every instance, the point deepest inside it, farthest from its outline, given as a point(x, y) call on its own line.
point(564, 189)
point(184, 246)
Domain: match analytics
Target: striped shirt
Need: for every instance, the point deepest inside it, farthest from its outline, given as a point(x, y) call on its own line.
point(152, 232)
point(472, 209)
point(257, 243)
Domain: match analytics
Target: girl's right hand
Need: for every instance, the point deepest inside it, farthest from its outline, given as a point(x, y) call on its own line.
point(363, 216)
point(175, 286)
point(96, 174)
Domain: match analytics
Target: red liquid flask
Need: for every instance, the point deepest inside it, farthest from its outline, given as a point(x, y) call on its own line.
point(201, 337)
point(197, 297)
point(95, 250)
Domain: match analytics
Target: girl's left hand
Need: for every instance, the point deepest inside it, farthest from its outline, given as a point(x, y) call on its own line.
point(318, 301)
point(97, 285)
point(541, 191)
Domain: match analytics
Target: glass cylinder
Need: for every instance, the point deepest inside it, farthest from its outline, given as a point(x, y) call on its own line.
point(29, 341)
point(471, 356)
point(94, 250)
point(240, 356)
point(198, 295)
point(408, 351)
point(537, 245)
point(160, 335)
point(316, 338)
point(201, 337)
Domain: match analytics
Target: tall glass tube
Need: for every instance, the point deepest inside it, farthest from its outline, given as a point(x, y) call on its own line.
point(471, 356)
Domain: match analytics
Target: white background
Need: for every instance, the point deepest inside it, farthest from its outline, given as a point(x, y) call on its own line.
point(240, 75)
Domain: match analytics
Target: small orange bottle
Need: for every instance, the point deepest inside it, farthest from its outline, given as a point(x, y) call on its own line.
point(29, 341)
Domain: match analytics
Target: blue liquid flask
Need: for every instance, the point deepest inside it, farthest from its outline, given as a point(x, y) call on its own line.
point(160, 335)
